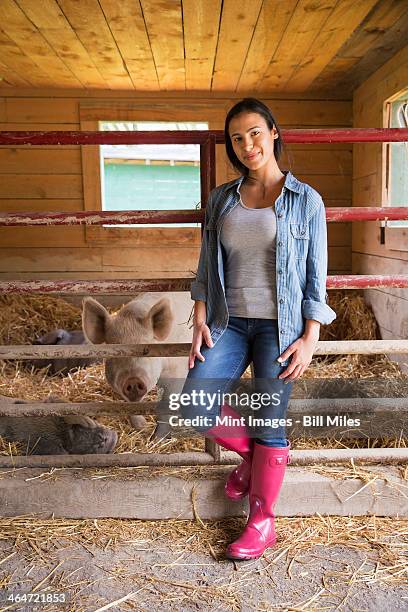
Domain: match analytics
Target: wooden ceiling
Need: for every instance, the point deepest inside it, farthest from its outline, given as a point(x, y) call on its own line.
point(243, 46)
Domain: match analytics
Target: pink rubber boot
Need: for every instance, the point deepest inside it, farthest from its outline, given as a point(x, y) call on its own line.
point(235, 438)
point(268, 470)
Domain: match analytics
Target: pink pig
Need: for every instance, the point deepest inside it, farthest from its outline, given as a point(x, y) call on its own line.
point(144, 320)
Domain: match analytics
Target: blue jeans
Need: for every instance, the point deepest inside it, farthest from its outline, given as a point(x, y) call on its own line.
point(244, 341)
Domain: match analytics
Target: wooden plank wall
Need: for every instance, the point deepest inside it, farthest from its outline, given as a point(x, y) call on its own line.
point(50, 179)
point(369, 256)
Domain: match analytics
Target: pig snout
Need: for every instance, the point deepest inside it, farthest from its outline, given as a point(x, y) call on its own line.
point(133, 379)
point(134, 388)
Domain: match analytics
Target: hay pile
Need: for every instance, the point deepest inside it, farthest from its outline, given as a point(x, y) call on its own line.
point(355, 319)
point(23, 318)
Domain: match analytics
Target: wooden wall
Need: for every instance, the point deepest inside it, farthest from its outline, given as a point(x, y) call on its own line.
point(369, 256)
point(51, 179)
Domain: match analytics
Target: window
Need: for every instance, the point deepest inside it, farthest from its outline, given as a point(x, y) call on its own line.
point(396, 179)
point(103, 190)
point(150, 177)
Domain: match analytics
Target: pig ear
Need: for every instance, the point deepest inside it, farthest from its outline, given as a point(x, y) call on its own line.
point(54, 336)
point(94, 320)
point(161, 318)
point(79, 419)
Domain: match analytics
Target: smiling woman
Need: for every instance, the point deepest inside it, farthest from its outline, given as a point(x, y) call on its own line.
point(260, 297)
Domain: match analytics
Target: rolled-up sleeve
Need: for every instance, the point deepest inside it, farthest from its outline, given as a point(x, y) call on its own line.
point(314, 304)
point(198, 290)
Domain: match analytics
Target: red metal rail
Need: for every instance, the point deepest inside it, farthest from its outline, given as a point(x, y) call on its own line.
point(119, 217)
point(366, 213)
point(124, 217)
point(197, 137)
point(130, 286)
point(366, 281)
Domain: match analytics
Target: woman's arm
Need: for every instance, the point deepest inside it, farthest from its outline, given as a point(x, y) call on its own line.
point(315, 309)
point(301, 350)
point(200, 283)
point(314, 303)
point(312, 330)
point(198, 293)
point(200, 313)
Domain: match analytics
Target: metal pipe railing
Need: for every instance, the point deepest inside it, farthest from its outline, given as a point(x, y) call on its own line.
point(308, 136)
point(126, 217)
point(132, 286)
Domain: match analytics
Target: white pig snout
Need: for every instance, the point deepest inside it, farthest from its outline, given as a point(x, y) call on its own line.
point(134, 388)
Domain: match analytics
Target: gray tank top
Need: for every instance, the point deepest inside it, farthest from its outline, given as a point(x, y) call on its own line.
point(248, 236)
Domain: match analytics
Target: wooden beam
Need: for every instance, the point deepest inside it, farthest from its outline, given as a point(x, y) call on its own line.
point(340, 347)
point(350, 406)
point(390, 456)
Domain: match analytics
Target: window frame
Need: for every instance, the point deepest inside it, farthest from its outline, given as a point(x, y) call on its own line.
point(395, 238)
point(90, 116)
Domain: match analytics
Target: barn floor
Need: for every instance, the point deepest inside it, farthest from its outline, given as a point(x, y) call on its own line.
point(179, 565)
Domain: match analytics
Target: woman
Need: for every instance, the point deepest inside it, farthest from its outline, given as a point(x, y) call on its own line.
point(260, 297)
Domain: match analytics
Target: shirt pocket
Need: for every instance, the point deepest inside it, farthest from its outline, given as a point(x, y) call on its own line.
point(300, 239)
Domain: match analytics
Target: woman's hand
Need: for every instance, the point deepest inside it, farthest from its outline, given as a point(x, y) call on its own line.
point(302, 352)
point(201, 332)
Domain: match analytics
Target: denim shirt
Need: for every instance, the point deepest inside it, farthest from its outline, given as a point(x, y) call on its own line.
point(301, 259)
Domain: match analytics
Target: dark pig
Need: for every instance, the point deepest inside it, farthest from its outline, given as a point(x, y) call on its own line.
point(62, 366)
point(57, 435)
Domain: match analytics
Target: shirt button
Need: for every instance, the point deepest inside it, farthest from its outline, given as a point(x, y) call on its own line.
point(280, 272)
point(282, 331)
point(280, 216)
point(281, 301)
point(280, 243)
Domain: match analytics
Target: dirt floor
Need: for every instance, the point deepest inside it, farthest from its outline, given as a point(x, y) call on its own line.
point(319, 563)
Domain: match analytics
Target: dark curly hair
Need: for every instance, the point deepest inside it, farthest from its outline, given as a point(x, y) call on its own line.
point(250, 105)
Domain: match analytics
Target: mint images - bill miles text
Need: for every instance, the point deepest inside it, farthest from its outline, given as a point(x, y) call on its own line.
point(254, 421)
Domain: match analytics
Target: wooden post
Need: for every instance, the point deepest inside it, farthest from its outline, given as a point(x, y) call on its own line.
point(213, 449)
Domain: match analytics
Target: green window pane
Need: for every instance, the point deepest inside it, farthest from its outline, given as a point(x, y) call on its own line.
point(148, 187)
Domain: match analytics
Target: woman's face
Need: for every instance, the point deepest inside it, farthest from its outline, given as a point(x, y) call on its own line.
point(252, 140)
